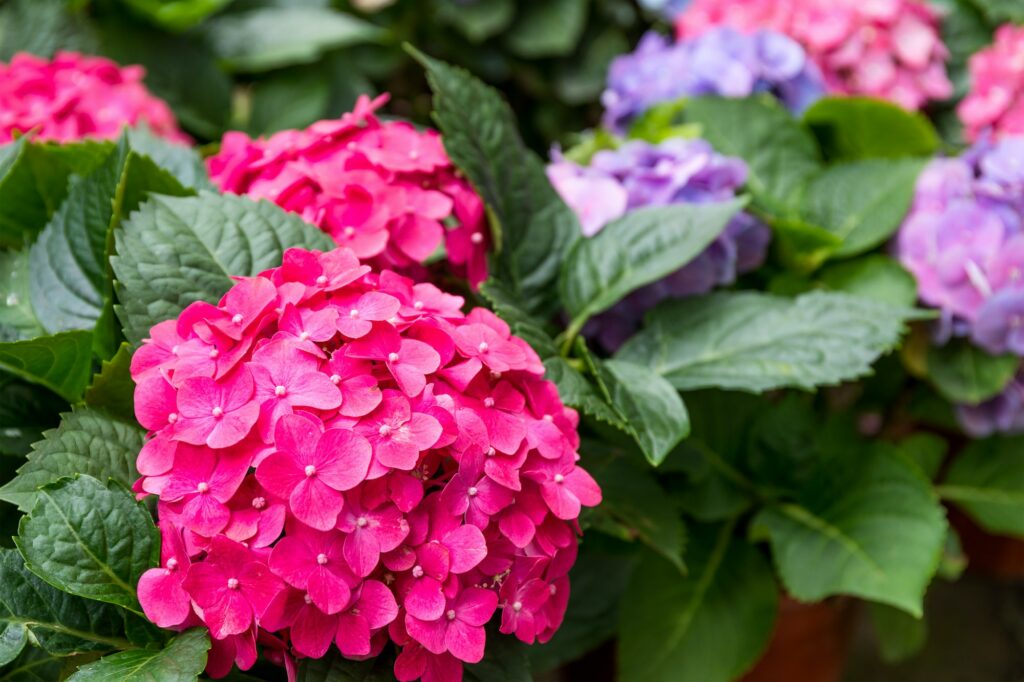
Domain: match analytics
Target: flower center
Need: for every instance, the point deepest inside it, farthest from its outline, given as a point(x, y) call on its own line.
point(172, 564)
point(488, 401)
point(310, 471)
point(304, 336)
point(232, 583)
point(552, 589)
point(393, 358)
point(280, 390)
point(237, 319)
point(214, 353)
point(418, 305)
point(476, 238)
point(483, 347)
point(349, 232)
point(490, 452)
point(353, 313)
point(384, 430)
point(472, 492)
point(203, 488)
point(259, 502)
point(559, 478)
point(361, 522)
point(417, 571)
point(517, 606)
point(548, 418)
point(414, 155)
point(172, 417)
point(321, 280)
point(321, 559)
point(451, 614)
point(335, 379)
point(307, 599)
point(217, 412)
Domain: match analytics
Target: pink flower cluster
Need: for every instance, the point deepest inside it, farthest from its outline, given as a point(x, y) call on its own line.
point(996, 99)
point(383, 189)
point(75, 96)
point(345, 456)
point(881, 48)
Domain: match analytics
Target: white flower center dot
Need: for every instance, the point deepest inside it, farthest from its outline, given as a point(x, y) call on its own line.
point(450, 614)
point(361, 522)
point(335, 379)
point(321, 280)
point(393, 358)
point(417, 571)
point(517, 606)
point(548, 418)
point(321, 559)
point(217, 412)
point(349, 231)
point(259, 502)
point(280, 390)
point(203, 488)
point(237, 319)
point(483, 347)
point(303, 336)
point(488, 402)
point(232, 583)
point(308, 599)
point(490, 452)
point(472, 492)
point(559, 478)
point(310, 471)
point(172, 417)
point(353, 313)
point(384, 430)
point(476, 238)
point(418, 305)
point(214, 353)
point(172, 564)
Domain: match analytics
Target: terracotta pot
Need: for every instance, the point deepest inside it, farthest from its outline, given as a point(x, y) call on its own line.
point(810, 642)
point(997, 556)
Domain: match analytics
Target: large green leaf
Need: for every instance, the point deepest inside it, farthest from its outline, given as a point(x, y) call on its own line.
point(58, 622)
point(899, 634)
point(264, 39)
point(963, 373)
point(1001, 10)
point(639, 248)
point(25, 412)
point(42, 27)
point(88, 441)
point(33, 665)
point(987, 481)
point(531, 226)
point(708, 626)
point(174, 251)
point(61, 363)
point(504, 661)
point(868, 524)
point(781, 154)
point(757, 342)
point(176, 15)
point(17, 319)
point(548, 29)
point(653, 411)
point(576, 391)
point(183, 162)
point(636, 506)
point(853, 128)
point(862, 202)
point(875, 276)
point(479, 20)
point(90, 539)
point(112, 388)
point(181, 661)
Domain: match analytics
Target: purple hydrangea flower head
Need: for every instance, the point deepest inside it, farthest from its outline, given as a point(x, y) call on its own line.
point(1002, 414)
point(963, 241)
point(639, 174)
point(720, 62)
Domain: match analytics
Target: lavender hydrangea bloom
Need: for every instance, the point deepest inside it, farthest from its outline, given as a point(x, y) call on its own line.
point(1002, 414)
point(720, 62)
point(639, 174)
point(963, 240)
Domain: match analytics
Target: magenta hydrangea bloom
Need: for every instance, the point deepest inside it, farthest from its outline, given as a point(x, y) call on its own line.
point(995, 103)
point(384, 189)
point(881, 48)
point(639, 174)
point(323, 482)
point(74, 96)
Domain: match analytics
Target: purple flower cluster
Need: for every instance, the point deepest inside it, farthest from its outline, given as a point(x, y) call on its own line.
point(1002, 414)
point(964, 242)
point(639, 174)
point(720, 62)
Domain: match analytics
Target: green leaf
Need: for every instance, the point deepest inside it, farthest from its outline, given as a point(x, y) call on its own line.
point(113, 389)
point(181, 661)
point(868, 524)
point(25, 412)
point(58, 622)
point(548, 29)
point(575, 391)
point(653, 410)
point(899, 634)
point(855, 128)
point(708, 626)
point(641, 247)
point(174, 251)
point(639, 507)
point(33, 665)
point(781, 154)
point(531, 225)
point(504, 661)
point(580, 80)
point(264, 39)
point(34, 182)
point(757, 342)
point(986, 480)
point(862, 202)
point(176, 15)
point(89, 539)
point(17, 319)
point(61, 363)
point(480, 20)
point(181, 161)
point(289, 98)
point(69, 274)
point(926, 450)
point(875, 276)
point(1001, 10)
point(88, 441)
point(42, 27)
point(963, 373)
point(335, 668)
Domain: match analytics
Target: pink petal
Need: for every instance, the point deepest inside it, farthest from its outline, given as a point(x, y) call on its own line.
point(163, 600)
point(353, 635)
point(291, 560)
point(205, 515)
point(467, 547)
point(312, 632)
point(465, 642)
point(377, 604)
point(315, 503)
point(584, 487)
point(279, 474)
point(425, 600)
point(476, 605)
point(328, 591)
point(314, 390)
point(362, 552)
point(431, 634)
point(343, 458)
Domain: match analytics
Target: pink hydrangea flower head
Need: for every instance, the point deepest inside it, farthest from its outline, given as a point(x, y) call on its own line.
point(343, 457)
point(74, 96)
point(384, 189)
point(995, 102)
point(880, 48)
